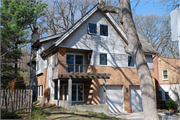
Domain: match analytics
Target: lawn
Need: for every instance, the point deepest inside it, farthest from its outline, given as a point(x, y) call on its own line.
point(57, 112)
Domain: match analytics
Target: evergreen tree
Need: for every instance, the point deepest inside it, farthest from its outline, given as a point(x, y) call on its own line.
point(16, 19)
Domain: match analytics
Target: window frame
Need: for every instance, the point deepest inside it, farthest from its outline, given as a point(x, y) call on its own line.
point(163, 74)
point(39, 62)
point(106, 59)
point(66, 96)
point(89, 31)
point(107, 30)
point(74, 54)
point(40, 91)
point(128, 62)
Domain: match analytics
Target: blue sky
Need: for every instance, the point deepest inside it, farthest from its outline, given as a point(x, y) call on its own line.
point(150, 7)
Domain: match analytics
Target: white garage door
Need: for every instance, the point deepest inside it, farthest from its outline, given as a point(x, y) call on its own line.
point(114, 98)
point(135, 98)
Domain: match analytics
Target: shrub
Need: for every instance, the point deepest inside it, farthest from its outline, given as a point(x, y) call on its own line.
point(171, 104)
point(47, 94)
point(37, 101)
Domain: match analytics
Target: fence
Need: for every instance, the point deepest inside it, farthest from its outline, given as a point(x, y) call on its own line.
point(16, 100)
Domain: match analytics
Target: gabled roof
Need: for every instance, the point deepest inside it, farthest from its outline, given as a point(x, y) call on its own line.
point(147, 48)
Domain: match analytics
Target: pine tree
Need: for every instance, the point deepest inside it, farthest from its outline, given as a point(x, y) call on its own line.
point(16, 19)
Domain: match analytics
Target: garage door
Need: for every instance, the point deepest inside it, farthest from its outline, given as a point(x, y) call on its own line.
point(135, 98)
point(114, 98)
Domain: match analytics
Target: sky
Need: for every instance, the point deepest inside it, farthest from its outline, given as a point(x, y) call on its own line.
point(151, 7)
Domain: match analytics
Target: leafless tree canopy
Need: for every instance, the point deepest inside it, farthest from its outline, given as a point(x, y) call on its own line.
point(156, 30)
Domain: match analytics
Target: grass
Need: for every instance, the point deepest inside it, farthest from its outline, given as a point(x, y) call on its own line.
point(37, 113)
point(57, 112)
point(10, 115)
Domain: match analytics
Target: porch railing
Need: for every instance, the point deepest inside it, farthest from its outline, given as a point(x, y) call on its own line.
point(78, 68)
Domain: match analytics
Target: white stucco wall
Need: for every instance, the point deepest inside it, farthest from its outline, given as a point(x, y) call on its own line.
point(173, 89)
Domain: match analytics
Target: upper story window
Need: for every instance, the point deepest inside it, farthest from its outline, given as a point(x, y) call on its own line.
point(104, 30)
point(130, 61)
point(103, 59)
point(165, 74)
point(38, 63)
point(92, 28)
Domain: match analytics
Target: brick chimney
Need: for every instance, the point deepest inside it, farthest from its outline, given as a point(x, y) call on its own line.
point(35, 35)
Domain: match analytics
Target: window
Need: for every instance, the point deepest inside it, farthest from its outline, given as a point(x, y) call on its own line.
point(92, 28)
point(45, 64)
point(165, 74)
point(40, 91)
point(77, 92)
point(75, 63)
point(104, 30)
point(130, 61)
point(38, 62)
point(167, 95)
point(103, 59)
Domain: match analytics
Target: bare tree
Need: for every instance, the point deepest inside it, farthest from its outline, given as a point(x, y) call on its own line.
point(134, 48)
point(156, 30)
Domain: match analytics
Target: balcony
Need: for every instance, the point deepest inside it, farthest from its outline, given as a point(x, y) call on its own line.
point(78, 68)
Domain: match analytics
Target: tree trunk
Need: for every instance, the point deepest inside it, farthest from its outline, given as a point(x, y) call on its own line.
point(134, 48)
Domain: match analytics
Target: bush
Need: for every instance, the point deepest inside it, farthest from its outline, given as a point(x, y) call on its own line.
point(171, 104)
point(47, 94)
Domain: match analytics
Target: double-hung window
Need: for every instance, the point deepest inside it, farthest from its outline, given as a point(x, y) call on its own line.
point(40, 91)
point(165, 74)
point(103, 59)
point(130, 62)
point(104, 30)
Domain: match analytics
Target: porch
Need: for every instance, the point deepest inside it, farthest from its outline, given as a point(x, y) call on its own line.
point(73, 88)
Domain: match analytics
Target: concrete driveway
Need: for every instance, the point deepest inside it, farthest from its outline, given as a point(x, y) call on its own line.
point(139, 116)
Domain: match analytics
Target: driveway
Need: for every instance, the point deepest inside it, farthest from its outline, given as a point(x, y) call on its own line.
point(139, 116)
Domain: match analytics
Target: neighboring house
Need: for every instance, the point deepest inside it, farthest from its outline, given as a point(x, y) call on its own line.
point(89, 61)
point(167, 72)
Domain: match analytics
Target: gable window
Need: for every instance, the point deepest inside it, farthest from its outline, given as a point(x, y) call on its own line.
point(40, 91)
point(165, 74)
point(103, 59)
point(130, 61)
point(92, 28)
point(104, 30)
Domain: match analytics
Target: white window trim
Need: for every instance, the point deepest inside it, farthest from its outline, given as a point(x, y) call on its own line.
point(100, 31)
point(76, 92)
point(96, 29)
point(39, 59)
point(45, 63)
point(131, 66)
point(40, 90)
point(163, 74)
point(100, 58)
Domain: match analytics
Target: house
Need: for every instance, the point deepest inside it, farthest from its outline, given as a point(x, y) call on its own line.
point(87, 65)
point(167, 72)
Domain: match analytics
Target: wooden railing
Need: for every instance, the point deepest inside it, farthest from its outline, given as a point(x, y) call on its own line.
point(16, 100)
point(78, 68)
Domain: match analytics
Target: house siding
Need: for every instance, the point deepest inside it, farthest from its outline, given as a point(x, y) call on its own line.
point(113, 44)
